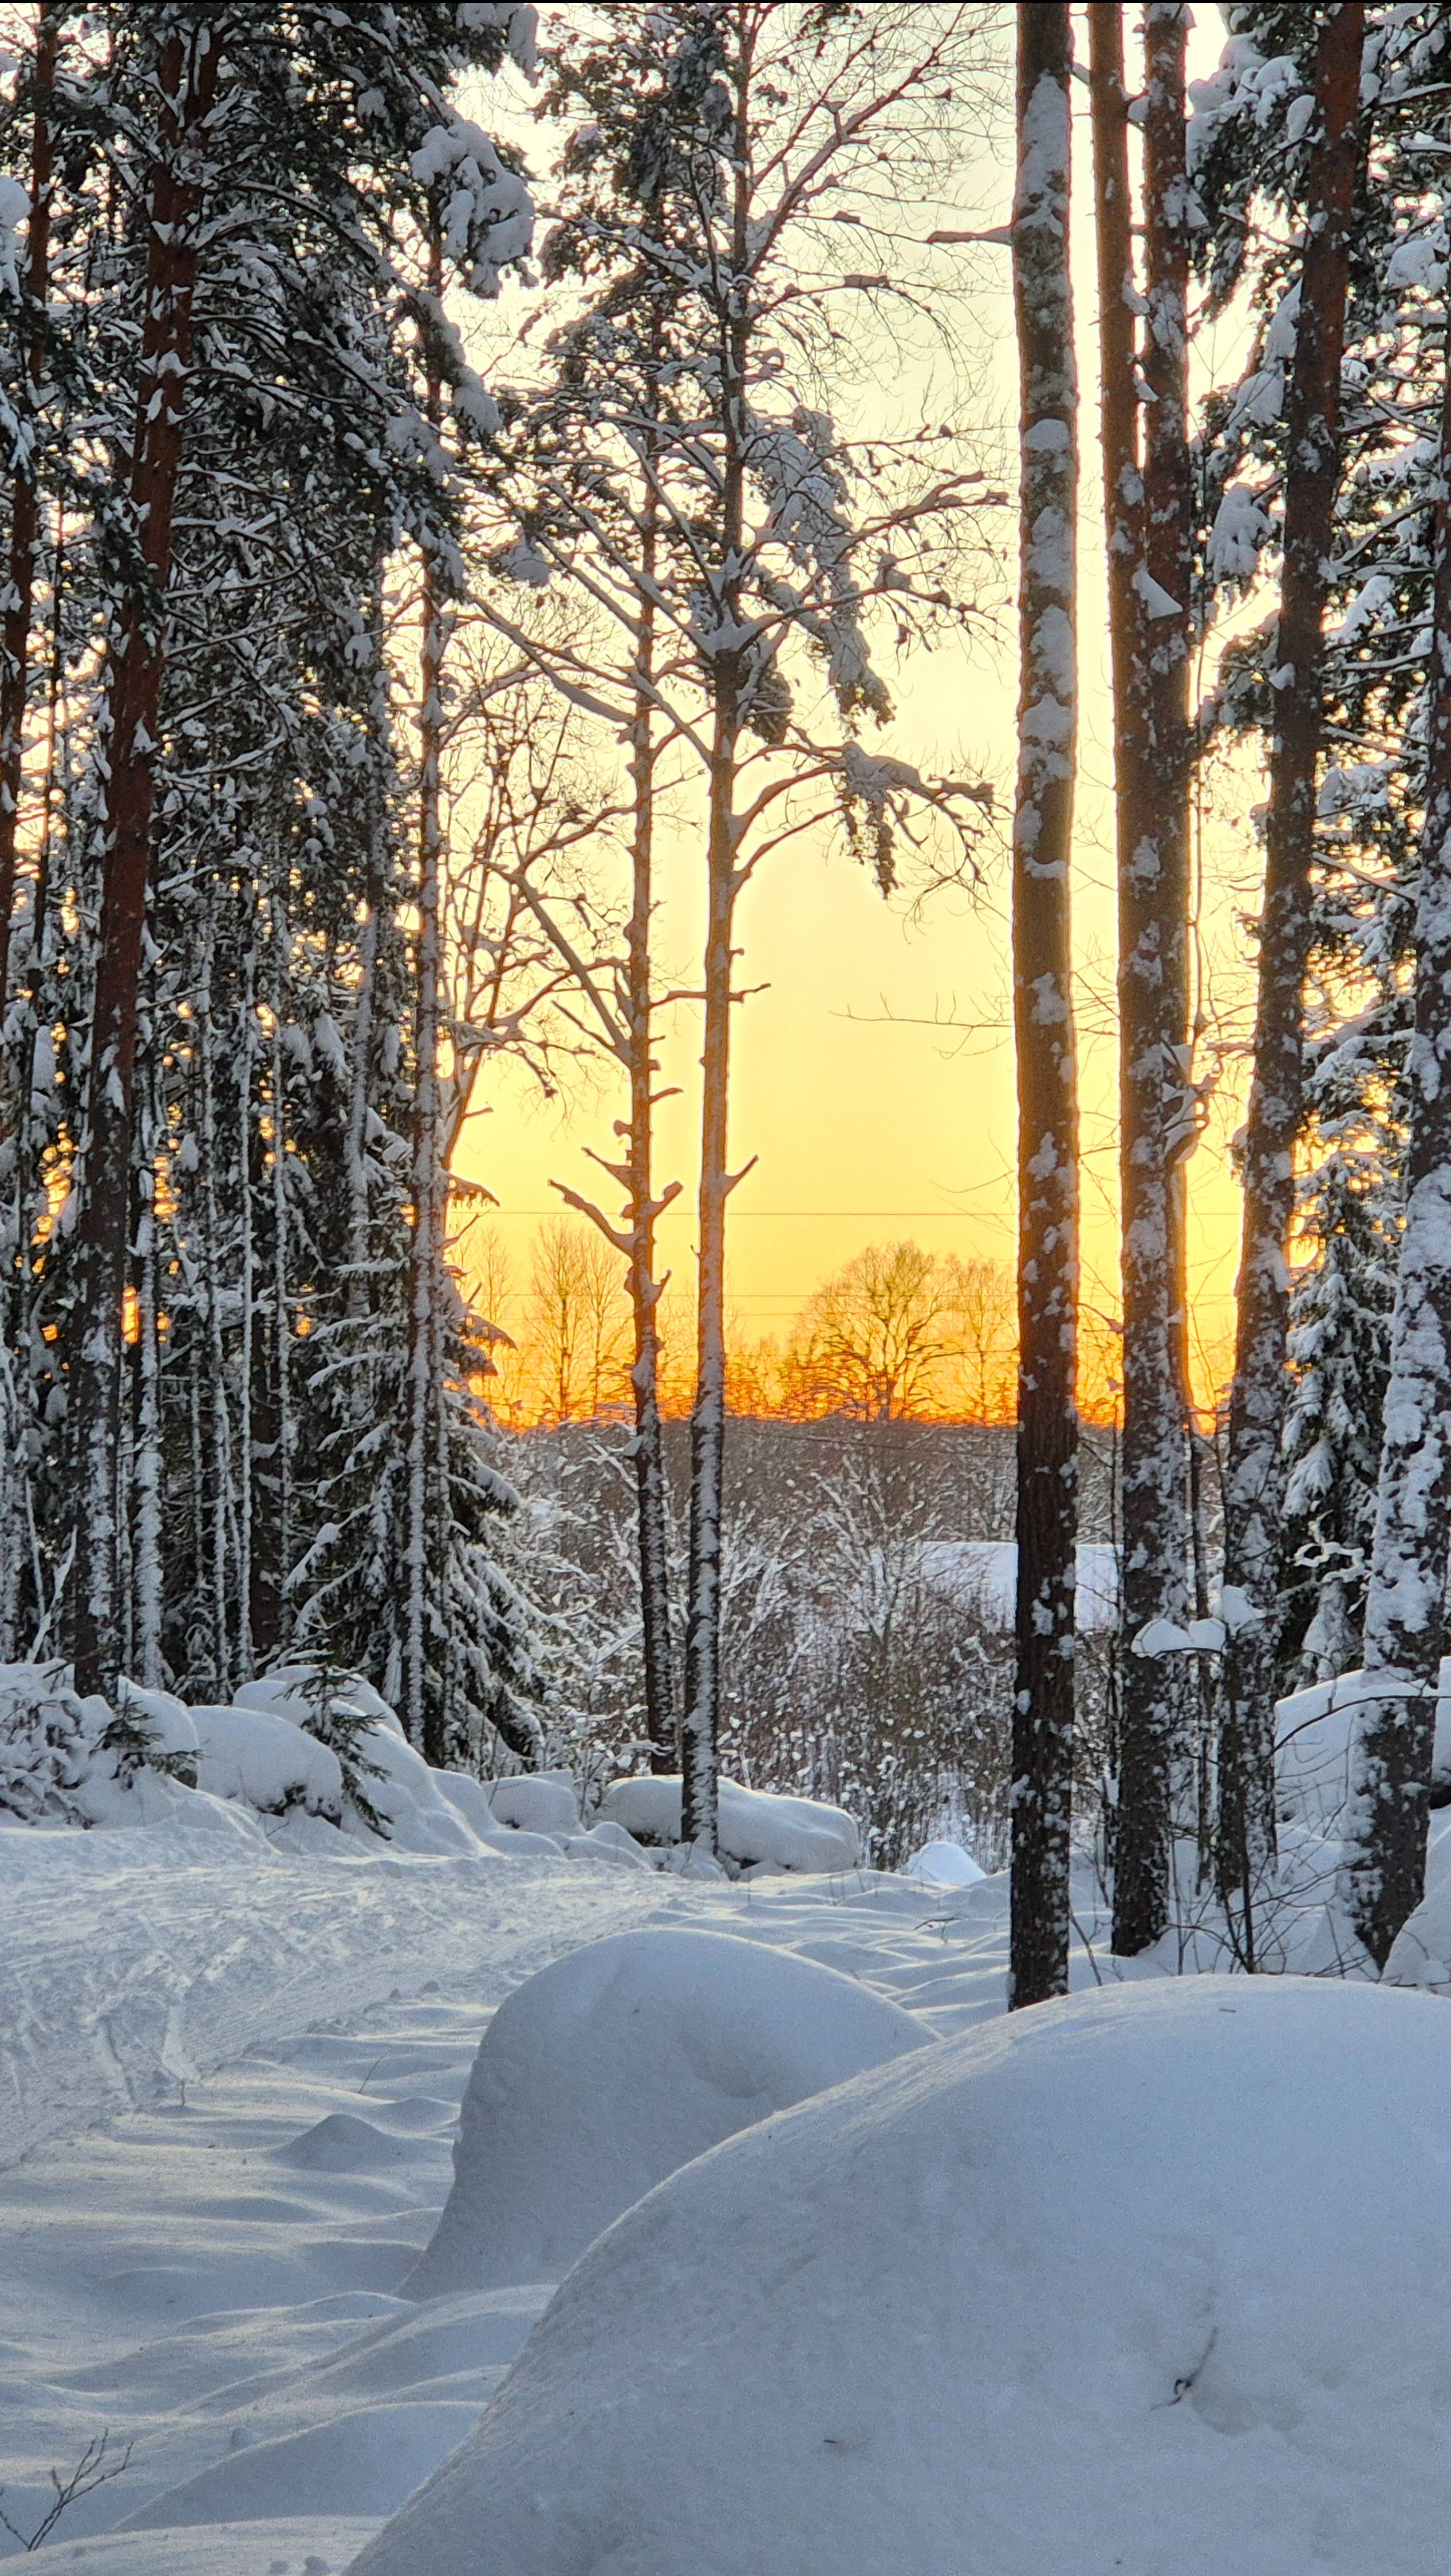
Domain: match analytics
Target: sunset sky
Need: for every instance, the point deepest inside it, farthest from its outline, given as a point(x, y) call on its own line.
point(874, 1074)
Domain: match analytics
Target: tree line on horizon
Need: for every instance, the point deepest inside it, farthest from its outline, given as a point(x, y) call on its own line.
point(898, 1334)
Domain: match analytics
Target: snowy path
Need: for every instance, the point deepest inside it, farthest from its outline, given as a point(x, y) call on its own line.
point(213, 2275)
point(137, 1961)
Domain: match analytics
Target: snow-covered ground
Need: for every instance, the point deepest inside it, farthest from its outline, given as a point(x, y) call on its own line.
point(213, 2275)
point(231, 2065)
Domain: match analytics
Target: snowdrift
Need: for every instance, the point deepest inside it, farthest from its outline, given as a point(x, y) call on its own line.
point(607, 2071)
point(1157, 2277)
point(756, 1827)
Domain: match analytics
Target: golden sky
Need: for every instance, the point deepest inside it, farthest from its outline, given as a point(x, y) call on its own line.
point(871, 1118)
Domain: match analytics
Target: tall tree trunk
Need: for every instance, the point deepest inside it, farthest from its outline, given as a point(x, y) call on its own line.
point(1147, 516)
point(644, 1208)
point(271, 1555)
point(245, 1481)
point(700, 1721)
point(1255, 1479)
point(147, 1532)
point(25, 534)
point(422, 1713)
point(25, 544)
point(1404, 1611)
point(1047, 1462)
point(188, 70)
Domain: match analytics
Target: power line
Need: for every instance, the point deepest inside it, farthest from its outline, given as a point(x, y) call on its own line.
point(966, 1214)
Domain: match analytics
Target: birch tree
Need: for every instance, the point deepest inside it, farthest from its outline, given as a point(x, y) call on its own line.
point(1047, 1488)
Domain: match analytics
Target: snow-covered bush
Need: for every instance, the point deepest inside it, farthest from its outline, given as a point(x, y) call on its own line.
point(49, 1744)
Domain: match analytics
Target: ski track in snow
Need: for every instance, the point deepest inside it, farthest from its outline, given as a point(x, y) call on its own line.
point(138, 1961)
point(210, 2273)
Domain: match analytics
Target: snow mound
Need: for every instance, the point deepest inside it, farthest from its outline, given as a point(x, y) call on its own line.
point(539, 1802)
point(944, 1864)
point(609, 2069)
point(341, 2143)
point(1158, 2277)
point(794, 1833)
point(982, 1575)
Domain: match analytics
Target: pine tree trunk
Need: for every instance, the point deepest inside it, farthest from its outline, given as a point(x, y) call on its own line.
point(1404, 1611)
point(1047, 1459)
point(1255, 1481)
point(700, 1722)
point(1147, 517)
point(422, 1712)
point(245, 1481)
point(271, 1553)
point(188, 75)
point(146, 1546)
point(650, 1493)
point(25, 536)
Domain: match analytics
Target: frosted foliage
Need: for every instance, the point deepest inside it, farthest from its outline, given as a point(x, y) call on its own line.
point(488, 217)
point(1153, 2277)
point(607, 2071)
point(1240, 529)
point(806, 498)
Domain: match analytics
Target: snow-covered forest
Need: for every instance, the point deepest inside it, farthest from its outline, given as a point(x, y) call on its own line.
point(486, 486)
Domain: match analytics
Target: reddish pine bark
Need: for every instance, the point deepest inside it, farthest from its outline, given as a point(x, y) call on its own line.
point(187, 71)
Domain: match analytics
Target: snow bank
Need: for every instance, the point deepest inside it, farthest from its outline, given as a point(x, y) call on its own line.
point(537, 1802)
point(755, 1826)
point(262, 1762)
point(1158, 2277)
point(608, 2070)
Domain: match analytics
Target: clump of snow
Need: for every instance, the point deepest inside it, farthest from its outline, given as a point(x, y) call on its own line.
point(944, 1864)
point(316, 1756)
point(1156, 2278)
point(609, 2069)
point(755, 1824)
point(470, 1797)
